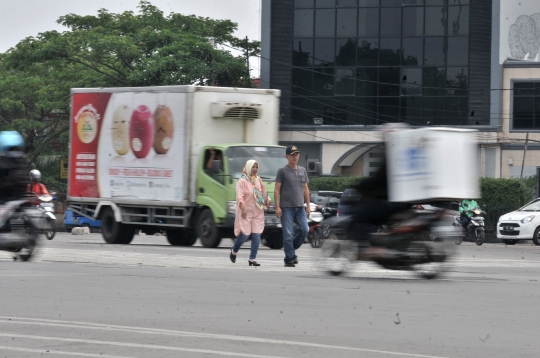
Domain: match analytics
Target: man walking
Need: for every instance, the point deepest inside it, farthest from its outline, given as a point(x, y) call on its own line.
point(290, 194)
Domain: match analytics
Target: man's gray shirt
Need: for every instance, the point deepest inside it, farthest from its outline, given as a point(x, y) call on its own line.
point(292, 186)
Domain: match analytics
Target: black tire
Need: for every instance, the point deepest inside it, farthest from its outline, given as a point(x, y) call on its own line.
point(317, 237)
point(181, 237)
point(273, 240)
point(536, 239)
point(112, 231)
point(480, 238)
point(458, 240)
point(207, 230)
point(509, 241)
point(51, 231)
point(128, 233)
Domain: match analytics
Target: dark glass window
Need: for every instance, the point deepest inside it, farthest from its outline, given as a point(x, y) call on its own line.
point(436, 21)
point(458, 51)
point(389, 79)
point(413, 21)
point(457, 81)
point(526, 105)
point(413, 51)
point(456, 111)
point(366, 81)
point(325, 23)
point(411, 81)
point(323, 81)
point(324, 52)
point(458, 20)
point(345, 111)
point(390, 21)
point(303, 52)
point(434, 110)
point(368, 51)
point(302, 112)
point(368, 3)
point(436, 2)
point(346, 52)
point(413, 2)
point(389, 110)
point(302, 82)
point(345, 80)
point(303, 23)
point(347, 3)
point(368, 22)
point(326, 3)
point(434, 51)
point(366, 110)
point(411, 110)
point(434, 81)
point(391, 3)
point(346, 23)
point(304, 3)
point(323, 107)
point(390, 52)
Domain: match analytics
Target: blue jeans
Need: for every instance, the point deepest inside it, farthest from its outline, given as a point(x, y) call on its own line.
point(255, 240)
point(293, 237)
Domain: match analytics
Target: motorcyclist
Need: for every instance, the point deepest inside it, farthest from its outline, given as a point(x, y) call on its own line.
point(13, 166)
point(36, 186)
point(466, 208)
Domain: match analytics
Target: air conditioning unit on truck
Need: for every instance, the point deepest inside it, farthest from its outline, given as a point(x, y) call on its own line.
point(140, 159)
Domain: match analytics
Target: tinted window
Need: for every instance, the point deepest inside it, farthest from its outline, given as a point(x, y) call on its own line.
point(366, 81)
point(411, 81)
point(434, 51)
point(303, 52)
point(390, 52)
point(411, 110)
point(368, 3)
point(458, 20)
point(389, 78)
point(524, 108)
point(368, 22)
point(324, 52)
point(413, 51)
point(326, 3)
point(345, 81)
point(303, 23)
point(366, 110)
point(458, 51)
point(434, 110)
point(368, 51)
point(347, 3)
point(325, 23)
point(457, 81)
point(456, 110)
point(302, 82)
point(323, 81)
point(413, 21)
point(346, 23)
point(345, 111)
point(434, 81)
point(390, 2)
point(390, 22)
point(436, 21)
point(304, 3)
point(389, 110)
point(345, 52)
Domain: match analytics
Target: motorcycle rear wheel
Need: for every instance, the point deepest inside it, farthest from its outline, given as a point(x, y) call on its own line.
point(436, 266)
point(316, 237)
point(336, 257)
point(480, 238)
point(51, 230)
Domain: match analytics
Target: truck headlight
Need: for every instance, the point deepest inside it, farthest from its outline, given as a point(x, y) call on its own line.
point(231, 207)
point(528, 219)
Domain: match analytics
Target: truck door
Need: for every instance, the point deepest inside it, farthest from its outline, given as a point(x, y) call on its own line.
point(211, 183)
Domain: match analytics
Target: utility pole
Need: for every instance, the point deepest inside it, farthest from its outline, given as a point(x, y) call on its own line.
point(247, 62)
point(523, 162)
point(212, 42)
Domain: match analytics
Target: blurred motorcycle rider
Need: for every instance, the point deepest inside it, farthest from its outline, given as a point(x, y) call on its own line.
point(13, 168)
point(35, 186)
point(373, 208)
point(465, 209)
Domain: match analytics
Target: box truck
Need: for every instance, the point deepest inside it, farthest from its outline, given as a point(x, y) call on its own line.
point(167, 159)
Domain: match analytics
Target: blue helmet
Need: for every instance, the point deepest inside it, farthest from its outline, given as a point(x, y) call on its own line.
point(11, 141)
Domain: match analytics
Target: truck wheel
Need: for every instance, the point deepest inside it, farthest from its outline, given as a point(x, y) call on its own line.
point(112, 231)
point(128, 233)
point(273, 240)
point(207, 230)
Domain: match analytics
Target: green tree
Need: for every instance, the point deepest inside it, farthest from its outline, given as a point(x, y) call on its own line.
point(109, 50)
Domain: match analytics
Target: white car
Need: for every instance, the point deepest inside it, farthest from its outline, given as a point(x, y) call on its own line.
point(522, 224)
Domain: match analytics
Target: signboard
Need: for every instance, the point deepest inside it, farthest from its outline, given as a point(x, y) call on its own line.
point(64, 172)
point(520, 30)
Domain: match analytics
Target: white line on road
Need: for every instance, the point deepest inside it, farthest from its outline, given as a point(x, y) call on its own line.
point(49, 351)
point(135, 345)
point(89, 325)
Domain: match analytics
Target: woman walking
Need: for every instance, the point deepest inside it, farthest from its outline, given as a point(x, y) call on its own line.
point(251, 201)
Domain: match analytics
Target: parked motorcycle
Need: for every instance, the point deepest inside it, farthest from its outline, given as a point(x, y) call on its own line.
point(21, 224)
point(315, 236)
point(405, 245)
point(47, 208)
point(475, 230)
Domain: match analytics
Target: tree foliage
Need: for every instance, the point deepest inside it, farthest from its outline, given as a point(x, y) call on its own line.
point(109, 50)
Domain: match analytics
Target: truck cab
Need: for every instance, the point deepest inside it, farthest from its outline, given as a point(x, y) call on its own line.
point(216, 189)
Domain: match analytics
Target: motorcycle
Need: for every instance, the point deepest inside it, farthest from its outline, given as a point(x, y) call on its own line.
point(47, 208)
point(475, 230)
point(405, 245)
point(21, 224)
point(315, 236)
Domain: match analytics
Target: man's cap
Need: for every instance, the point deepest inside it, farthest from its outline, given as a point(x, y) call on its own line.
point(292, 149)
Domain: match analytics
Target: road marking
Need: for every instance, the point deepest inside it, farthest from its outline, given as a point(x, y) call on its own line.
point(135, 345)
point(89, 325)
point(52, 352)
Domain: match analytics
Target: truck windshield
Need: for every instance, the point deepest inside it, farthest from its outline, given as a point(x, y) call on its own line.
point(270, 159)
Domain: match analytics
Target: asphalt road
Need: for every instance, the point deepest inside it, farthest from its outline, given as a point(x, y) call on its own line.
point(83, 298)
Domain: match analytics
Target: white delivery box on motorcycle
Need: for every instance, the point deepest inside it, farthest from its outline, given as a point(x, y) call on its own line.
point(432, 164)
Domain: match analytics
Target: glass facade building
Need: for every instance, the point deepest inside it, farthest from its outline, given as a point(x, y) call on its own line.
point(368, 62)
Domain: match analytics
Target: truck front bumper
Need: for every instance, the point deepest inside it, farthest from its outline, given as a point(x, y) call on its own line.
point(270, 221)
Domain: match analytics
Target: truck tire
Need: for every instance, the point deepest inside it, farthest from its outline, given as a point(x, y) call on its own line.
point(207, 231)
point(181, 237)
point(273, 240)
point(114, 232)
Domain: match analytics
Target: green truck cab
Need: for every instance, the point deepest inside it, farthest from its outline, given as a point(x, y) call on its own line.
point(216, 190)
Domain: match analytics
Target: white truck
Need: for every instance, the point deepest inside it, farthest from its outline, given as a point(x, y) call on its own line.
point(167, 159)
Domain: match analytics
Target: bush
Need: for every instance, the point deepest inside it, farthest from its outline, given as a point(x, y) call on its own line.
point(506, 194)
point(331, 183)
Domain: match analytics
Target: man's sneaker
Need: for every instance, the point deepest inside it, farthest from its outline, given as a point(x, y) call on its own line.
point(295, 260)
point(289, 264)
